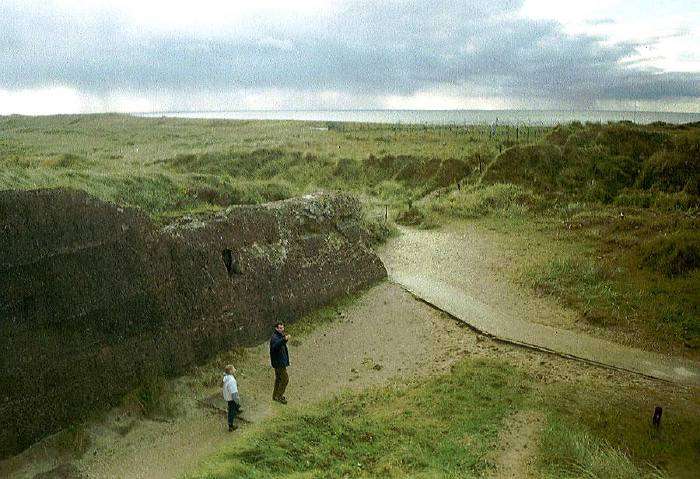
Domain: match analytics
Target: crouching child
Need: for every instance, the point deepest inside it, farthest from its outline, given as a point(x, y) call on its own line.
point(231, 395)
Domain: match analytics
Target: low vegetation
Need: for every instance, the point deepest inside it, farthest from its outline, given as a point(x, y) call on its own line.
point(448, 426)
point(622, 198)
point(602, 217)
point(384, 432)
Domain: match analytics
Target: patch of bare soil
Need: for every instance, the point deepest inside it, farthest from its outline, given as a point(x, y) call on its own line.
point(517, 441)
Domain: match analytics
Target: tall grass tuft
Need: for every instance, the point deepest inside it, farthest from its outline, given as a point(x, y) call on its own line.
point(567, 451)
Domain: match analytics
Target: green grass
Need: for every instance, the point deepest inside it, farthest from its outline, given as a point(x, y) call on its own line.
point(591, 259)
point(581, 283)
point(448, 426)
point(443, 427)
point(608, 434)
point(568, 450)
point(170, 167)
point(502, 200)
point(624, 195)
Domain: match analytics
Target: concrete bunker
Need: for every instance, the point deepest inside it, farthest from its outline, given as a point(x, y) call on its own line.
point(121, 300)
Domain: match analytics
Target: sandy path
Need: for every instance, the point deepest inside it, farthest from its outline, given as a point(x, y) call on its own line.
point(453, 270)
point(517, 441)
point(384, 336)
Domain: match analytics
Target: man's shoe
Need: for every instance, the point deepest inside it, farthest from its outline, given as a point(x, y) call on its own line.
point(232, 428)
point(282, 400)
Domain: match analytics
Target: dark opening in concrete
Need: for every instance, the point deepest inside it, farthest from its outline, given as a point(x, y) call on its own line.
point(231, 262)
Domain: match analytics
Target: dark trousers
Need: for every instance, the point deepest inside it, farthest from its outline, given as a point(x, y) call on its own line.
point(281, 381)
point(232, 410)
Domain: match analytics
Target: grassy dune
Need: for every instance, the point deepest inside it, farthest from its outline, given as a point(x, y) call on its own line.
point(170, 166)
point(616, 205)
point(602, 217)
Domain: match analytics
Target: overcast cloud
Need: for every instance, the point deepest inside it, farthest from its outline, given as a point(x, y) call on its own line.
point(343, 54)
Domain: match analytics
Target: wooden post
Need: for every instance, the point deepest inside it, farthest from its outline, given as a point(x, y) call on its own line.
point(656, 419)
point(386, 213)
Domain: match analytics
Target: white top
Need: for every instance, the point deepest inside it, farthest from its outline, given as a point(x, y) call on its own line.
point(230, 387)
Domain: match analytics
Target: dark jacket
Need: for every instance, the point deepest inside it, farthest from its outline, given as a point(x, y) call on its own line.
point(279, 356)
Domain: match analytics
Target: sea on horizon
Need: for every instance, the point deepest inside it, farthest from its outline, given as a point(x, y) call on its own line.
point(443, 117)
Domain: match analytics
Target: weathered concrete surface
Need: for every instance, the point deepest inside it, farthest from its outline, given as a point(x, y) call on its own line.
point(95, 298)
point(437, 268)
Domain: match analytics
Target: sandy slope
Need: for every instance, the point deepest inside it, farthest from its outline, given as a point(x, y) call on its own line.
point(386, 335)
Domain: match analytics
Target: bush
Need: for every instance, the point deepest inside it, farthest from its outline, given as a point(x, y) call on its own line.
point(416, 216)
point(672, 255)
point(499, 199)
point(671, 171)
point(378, 230)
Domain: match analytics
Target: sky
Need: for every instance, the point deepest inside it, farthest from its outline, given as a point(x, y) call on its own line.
point(80, 56)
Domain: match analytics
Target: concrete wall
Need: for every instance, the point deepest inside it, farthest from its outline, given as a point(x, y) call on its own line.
point(94, 298)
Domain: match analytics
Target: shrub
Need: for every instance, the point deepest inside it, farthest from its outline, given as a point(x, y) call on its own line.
point(672, 255)
point(500, 199)
point(379, 231)
point(671, 171)
point(416, 216)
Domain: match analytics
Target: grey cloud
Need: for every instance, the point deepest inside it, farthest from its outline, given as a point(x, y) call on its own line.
point(373, 48)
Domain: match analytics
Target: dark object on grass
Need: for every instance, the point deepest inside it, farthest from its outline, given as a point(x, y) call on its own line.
point(656, 419)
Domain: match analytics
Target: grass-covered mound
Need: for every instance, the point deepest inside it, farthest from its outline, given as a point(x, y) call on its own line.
point(673, 255)
point(597, 162)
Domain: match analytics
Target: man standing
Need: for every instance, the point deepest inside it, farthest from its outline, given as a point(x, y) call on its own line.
point(231, 395)
point(279, 357)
